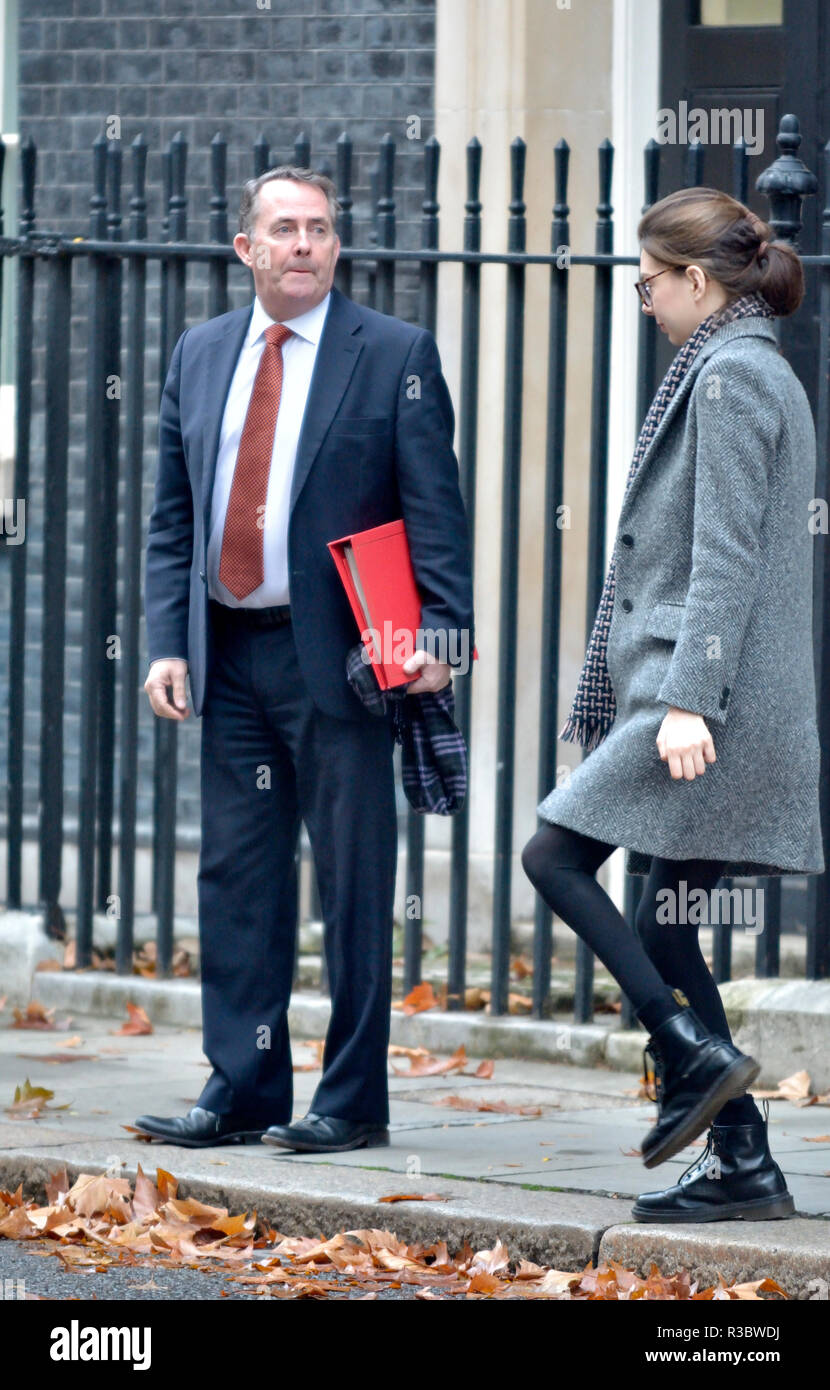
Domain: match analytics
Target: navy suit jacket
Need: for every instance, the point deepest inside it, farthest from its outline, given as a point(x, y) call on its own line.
point(375, 445)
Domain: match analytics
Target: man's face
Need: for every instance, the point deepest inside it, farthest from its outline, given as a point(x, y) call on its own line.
point(294, 249)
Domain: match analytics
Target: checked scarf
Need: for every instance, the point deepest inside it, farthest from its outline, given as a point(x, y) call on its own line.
point(433, 751)
point(594, 705)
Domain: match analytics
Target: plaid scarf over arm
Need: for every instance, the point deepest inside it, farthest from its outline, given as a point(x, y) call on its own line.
point(433, 751)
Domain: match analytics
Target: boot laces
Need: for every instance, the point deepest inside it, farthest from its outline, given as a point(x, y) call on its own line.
point(705, 1160)
point(701, 1161)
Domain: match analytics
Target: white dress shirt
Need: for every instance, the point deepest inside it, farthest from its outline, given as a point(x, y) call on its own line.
point(299, 355)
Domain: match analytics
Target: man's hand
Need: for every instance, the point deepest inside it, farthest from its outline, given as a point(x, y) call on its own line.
point(684, 739)
point(436, 675)
point(167, 671)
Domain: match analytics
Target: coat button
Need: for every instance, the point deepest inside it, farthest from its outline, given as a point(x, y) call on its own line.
point(626, 539)
point(627, 605)
point(724, 698)
point(202, 574)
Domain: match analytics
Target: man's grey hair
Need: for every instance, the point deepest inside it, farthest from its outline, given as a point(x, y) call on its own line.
point(249, 205)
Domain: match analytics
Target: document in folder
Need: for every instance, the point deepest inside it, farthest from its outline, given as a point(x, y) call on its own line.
point(375, 568)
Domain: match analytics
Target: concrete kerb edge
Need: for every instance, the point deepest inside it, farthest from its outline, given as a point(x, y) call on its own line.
point(784, 1023)
point(177, 1003)
point(796, 1253)
point(492, 1211)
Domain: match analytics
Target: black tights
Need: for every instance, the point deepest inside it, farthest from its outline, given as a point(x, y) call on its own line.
point(661, 956)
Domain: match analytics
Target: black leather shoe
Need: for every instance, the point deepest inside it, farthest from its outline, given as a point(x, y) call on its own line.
point(696, 1072)
point(735, 1176)
point(199, 1129)
point(326, 1134)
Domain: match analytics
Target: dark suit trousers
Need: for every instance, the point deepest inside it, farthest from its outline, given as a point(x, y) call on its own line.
point(271, 758)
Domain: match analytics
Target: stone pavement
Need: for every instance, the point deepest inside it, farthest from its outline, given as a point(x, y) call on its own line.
point(557, 1187)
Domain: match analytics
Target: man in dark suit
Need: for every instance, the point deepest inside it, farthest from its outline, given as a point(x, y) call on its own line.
point(283, 425)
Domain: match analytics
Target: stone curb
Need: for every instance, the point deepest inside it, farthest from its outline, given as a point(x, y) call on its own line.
point(565, 1230)
point(784, 1023)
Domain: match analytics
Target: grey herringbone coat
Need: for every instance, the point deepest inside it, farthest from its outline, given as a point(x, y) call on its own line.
point(713, 614)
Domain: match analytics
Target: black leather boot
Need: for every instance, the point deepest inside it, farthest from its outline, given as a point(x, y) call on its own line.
point(735, 1176)
point(696, 1072)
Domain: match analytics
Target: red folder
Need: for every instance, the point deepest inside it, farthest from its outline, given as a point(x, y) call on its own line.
point(375, 568)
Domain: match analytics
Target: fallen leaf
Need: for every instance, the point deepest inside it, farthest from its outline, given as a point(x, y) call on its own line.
point(795, 1088)
point(29, 1101)
point(139, 1133)
point(33, 1016)
point(499, 1107)
point(420, 998)
point(476, 998)
point(58, 1056)
point(138, 1023)
point(434, 1066)
point(414, 1197)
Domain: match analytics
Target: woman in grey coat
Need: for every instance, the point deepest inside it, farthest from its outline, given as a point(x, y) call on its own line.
point(697, 697)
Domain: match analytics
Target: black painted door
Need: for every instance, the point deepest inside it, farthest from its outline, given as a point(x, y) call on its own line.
point(762, 58)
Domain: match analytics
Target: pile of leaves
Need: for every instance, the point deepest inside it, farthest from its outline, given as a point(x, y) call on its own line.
point(144, 960)
point(100, 1221)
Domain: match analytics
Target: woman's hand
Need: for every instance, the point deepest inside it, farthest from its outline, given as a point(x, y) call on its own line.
point(685, 741)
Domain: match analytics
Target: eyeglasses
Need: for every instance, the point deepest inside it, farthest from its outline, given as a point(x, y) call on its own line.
point(643, 287)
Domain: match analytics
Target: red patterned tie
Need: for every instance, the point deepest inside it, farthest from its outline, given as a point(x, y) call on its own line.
point(241, 564)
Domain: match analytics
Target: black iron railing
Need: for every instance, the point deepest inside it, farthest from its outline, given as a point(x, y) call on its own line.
point(114, 475)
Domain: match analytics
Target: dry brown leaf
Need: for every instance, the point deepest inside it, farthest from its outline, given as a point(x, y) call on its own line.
point(491, 1260)
point(138, 1023)
point(521, 967)
point(34, 1016)
point(476, 998)
point(74, 1255)
point(795, 1088)
point(420, 998)
point(796, 1085)
point(434, 1066)
point(499, 1107)
point(91, 1194)
point(485, 1070)
point(414, 1197)
point(58, 1056)
point(48, 964)
point(139, 1133)
point(482, 1282)
point(759, 1285)
point(15, 1225)
point(30, 1101)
